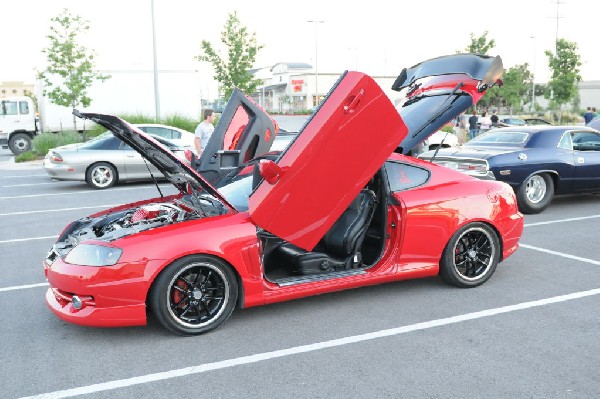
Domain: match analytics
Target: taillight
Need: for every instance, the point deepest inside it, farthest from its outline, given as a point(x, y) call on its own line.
point(54, 157)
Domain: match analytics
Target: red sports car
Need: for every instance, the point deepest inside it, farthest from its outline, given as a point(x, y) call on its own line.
point(341, 207)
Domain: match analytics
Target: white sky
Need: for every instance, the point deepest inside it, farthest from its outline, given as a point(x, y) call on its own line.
point(379, 37)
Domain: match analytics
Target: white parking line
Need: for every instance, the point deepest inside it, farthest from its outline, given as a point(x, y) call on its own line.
point(28, 239)
point(82, 192)
point(20, 176)
point(29, 184)
point(260, 357)
point(57, 210)
point(562, 220)
point(23, 287)
point(548, 251)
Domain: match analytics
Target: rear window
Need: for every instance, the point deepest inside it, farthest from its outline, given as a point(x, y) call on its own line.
point(496, 137)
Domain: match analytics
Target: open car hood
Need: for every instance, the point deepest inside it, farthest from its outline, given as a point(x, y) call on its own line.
point(352, 133)
point(183, 177)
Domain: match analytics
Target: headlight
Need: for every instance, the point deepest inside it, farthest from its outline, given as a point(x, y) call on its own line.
point(93, 255)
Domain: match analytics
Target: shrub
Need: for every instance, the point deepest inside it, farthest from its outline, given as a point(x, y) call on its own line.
point(26, 156)
point(42, 143)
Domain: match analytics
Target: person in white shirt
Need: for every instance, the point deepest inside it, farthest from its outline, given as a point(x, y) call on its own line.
point(485, 123)
point(204, 130)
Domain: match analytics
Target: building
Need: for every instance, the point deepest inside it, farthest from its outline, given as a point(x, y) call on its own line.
point(294, 87)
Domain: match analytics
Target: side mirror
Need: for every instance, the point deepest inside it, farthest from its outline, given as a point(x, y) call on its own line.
point(270, 171)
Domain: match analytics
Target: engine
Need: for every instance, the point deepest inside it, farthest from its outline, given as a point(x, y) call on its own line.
point(123, 223)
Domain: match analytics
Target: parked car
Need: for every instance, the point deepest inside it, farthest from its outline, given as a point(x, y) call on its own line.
point(537, 161)
point(504, 122)
point(594, 123)
point(337, 209)
point(180, 137)
point(103, 162)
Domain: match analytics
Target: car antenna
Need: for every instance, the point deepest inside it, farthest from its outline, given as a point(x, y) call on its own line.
point(153, 178)
point(438, 148)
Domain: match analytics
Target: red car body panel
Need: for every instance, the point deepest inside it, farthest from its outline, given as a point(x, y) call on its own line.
point(340, 132)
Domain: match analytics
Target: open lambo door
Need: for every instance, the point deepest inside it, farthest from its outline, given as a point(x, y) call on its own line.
point(352, 134)
point(244, 131)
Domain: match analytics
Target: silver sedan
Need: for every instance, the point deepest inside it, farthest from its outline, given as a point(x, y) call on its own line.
point(103, 161)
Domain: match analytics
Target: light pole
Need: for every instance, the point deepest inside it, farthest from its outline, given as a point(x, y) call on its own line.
point(532, 108)
point(316, 22)
point(156, 97)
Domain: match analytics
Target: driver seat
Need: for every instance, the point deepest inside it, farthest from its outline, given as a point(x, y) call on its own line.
point(339, 249)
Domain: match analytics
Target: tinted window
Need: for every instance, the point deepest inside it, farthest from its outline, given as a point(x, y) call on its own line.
point(106, 143)
point(402, 176)
point(586, 141)
point(496, 137)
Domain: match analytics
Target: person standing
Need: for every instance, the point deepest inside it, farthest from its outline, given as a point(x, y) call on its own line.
point(485, 123)
point(473, 125)
point(588, 116)
point(494, 119)
point(204, 130)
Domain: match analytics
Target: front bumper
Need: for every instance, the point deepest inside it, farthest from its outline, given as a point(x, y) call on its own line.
point(111, 296)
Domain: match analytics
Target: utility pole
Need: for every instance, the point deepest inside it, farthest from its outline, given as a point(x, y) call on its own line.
point(156, 96)
point(316, 22)
point(558, 3)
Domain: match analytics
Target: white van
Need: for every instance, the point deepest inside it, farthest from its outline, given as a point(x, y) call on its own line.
point(17, 123)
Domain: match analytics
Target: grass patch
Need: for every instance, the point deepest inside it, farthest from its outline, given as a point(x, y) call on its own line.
point(26, 156)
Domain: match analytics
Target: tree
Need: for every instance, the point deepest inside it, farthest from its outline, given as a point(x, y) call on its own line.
point(565, 65)
point(516, 90)
point(242, 49)
point(70, 72)
point(480, 45)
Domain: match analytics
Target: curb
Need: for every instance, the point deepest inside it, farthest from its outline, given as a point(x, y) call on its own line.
point(12, 165)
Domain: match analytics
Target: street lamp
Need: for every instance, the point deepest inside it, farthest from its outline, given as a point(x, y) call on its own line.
point(316, 22)
point(532, 108)
point(156, 96)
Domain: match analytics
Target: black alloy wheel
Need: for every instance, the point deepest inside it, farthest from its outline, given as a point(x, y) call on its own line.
point(471, 256)
point(194, 295)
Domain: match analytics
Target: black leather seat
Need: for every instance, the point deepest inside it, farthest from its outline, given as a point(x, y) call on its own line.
point(339, 249)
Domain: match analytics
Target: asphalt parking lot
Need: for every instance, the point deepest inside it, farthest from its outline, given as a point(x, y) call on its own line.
point(533, 330)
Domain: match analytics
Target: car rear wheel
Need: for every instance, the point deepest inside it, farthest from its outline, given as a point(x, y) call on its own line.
point(194, 295)
point(535, 194)
point(101, 175)
point(19, 143)
point(471, 256)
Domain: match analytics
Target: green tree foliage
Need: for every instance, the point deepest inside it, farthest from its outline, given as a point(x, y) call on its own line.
point(69, 73)
point(564, 64)
point(480, 44)
point(516, 90)
point(242, 48)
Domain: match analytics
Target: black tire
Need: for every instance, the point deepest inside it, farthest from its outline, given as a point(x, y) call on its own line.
point(471, 256)
point(101, 175)
point(194, 295)
point(19, 143)
point(535, 193)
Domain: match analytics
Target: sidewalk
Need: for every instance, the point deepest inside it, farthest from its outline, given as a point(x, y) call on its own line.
point(10, 164)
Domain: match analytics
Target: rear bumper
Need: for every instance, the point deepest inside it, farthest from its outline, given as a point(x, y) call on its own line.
point(511, 231)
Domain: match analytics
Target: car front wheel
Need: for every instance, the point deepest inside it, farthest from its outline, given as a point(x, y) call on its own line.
point(194, 295)
point(101, 175)
point(471, 256)
point(535, 193)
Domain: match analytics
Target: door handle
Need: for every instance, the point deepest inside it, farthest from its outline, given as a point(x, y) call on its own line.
point(349, 109)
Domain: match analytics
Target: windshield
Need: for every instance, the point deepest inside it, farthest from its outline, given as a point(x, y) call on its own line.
point(237, 191)
point(491, 137)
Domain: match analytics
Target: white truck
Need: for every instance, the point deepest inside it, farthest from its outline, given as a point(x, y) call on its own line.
point(18, 123)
